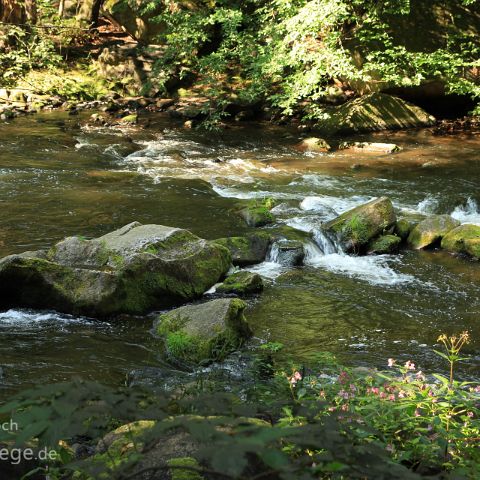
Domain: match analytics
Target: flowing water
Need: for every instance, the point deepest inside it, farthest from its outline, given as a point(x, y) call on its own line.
point(59, 178)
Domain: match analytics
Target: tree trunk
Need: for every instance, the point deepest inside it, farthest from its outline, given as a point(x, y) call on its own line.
point(90, 11)
point(12, 11)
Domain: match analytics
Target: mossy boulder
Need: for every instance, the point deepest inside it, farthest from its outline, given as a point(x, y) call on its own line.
point(430, 231)
point(463, 239)
point(385, 244)
point(313, 144)
point(257, 212)
point(403, 227)
point(149, 448)
point(133, 270)
point(377, 111)
point(247, 250)
point(204, 332)
point(353, 230)
point(241, 283)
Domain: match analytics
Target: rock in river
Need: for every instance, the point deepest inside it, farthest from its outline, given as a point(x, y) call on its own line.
point(242, 282)
point(376, 111)
point(132, 270)
point(431, 230)
point(354, 229)
point(204, 332)
point(463, 239)
point(249, 249)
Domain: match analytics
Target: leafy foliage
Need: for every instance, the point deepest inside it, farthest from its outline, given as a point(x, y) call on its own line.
point(339, 423)
point(301, 54)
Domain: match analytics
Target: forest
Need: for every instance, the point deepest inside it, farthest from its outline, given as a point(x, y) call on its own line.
point(239, 239)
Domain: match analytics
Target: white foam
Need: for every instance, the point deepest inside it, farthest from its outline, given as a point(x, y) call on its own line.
point(332, 205)
point(268, 269)
point(428, 205)
point(468, 213)
point(373, 269)
point(28, 317)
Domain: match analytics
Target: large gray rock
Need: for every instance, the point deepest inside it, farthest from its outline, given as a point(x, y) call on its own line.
point(131, 270)
point(204, 332)
point(354, 229)
point(431, 230)
point(373, 112)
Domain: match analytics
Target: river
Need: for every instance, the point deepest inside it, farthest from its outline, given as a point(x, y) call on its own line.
point(59, 178)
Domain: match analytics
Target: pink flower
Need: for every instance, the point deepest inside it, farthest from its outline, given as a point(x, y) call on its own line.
point(402, 394)
point(343, 377)
point(470, 414)
point(383, 395)
point(391, 397)
point(417, 413)
point(296, 377)
point(409, 365)
point(375, 390)
point(477, 389)
point(391, 362)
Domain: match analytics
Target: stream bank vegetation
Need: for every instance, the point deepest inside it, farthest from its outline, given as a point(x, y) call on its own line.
point(296, 422)
point(285, 58)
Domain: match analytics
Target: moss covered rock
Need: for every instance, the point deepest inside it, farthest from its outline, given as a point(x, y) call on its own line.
point(242, 283)
point(384, 244)
point(403, 227)
point(247, 250)
point(463, 239)
point(204, 332)
point(430, 231)
point(131, 270)
point(376, 111)
point(257, 213)
point(357, 227)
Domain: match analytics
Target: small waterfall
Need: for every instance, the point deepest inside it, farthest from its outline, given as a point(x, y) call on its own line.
point(468, 213)
point(288, 253)
point(326, 243)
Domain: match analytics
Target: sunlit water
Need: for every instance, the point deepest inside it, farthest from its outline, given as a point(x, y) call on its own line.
point(59, 179)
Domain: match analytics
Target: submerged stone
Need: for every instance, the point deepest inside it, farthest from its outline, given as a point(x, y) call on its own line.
point(431, 230)
point(357, 227)
point(463, 239)
point(132, 270)
point(377, 111)
point(385, 244)
point(242, 282)
point(205, 332)
point(247, 250)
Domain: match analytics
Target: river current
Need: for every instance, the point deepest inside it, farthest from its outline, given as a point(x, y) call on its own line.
point(59, 177)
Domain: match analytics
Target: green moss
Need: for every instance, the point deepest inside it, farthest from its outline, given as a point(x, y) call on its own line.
point(241, 283)
point(357, 230)
point(403, 228)
point(463, 239)
point(179, 474)
point(385, 244)
point(183, 346)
